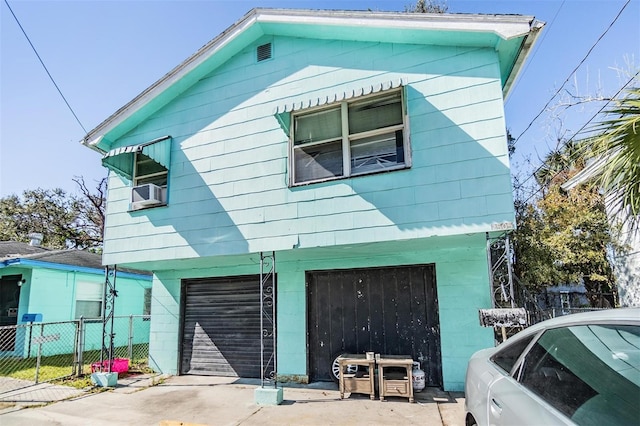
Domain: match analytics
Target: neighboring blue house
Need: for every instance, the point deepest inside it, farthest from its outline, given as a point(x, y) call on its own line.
point(367, 150)
point(61, 285)
point(563, 299)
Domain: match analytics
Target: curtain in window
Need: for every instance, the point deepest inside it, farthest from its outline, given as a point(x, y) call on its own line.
point(375, 113)
point(318, 126)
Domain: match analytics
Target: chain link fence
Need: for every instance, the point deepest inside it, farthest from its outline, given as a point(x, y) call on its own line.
point(545, 314)
point(41, 352)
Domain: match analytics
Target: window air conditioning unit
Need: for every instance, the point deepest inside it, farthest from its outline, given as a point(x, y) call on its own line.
point(146, 195)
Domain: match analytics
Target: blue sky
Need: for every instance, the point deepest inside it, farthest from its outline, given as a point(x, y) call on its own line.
point(104, 53)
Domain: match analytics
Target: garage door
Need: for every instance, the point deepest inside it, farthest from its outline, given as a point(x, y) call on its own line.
point(384, 310)
point(221, 327)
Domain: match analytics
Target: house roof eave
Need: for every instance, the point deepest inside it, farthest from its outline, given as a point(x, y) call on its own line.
point(258, 22)
point(526, 48)
point(27, 262)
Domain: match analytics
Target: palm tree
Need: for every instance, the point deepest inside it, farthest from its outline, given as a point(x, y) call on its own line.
point(615, 154)
point(559, 165)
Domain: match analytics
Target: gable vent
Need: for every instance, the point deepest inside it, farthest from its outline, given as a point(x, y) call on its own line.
point(264, 52)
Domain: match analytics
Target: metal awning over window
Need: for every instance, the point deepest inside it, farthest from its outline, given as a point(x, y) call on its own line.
point(283, 112)
point(121, 160)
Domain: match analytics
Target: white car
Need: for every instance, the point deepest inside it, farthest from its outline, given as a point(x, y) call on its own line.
point(579, 369)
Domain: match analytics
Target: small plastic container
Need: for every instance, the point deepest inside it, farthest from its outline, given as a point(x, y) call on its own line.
point(118, 365)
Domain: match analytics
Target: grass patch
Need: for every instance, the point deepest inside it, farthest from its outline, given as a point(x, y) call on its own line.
point(81, 382)
point(56, 367)
point(51, 367)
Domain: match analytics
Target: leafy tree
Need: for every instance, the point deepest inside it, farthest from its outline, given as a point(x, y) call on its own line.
point(617, 146)
point(563, 238)
point(64, 220)
point(533, 262)
point(576, 232)
point(427, 6)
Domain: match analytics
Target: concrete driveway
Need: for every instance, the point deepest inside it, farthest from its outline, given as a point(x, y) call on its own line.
point(200, 400)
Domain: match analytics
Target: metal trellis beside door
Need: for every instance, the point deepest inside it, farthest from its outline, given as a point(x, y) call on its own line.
point(108, 306)
point(268, 370)
point(501, 271)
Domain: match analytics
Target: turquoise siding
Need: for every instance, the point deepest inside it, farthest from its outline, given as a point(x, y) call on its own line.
point(228, 177)
point(462, 284)
point(53, 293)
point(229, 197)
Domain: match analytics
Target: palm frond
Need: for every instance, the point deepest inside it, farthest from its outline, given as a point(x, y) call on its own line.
point(617, 139)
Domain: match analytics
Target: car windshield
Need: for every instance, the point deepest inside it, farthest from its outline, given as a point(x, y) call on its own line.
point(591, 373)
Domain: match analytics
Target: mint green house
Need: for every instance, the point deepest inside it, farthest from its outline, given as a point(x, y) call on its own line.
point(59, 287)
point(365, 151)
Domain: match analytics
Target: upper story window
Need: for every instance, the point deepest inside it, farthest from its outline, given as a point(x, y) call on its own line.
point(148, 171)
point(146, 166)
point(361, 136)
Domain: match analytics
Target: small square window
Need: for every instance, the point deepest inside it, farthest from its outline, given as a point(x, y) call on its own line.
point(88, 309)
point(151, 175)
point(89, 297)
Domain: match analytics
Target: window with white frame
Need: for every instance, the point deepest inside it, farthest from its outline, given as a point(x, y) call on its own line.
point(89, 300)
point(365, 135)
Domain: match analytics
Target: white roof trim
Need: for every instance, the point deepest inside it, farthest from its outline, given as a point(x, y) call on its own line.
point(586, 174)
point(339, 97)
point(506, 26)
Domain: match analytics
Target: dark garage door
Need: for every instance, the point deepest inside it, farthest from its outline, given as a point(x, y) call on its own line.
point(385, 310)
point(221, 327)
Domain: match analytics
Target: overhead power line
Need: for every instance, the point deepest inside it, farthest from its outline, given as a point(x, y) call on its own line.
point(45, 67)
point(574, 135)
point(571, 73)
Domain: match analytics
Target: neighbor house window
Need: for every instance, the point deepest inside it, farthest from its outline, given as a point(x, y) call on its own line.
point(89, 300)
point(146, 307)
point(366, 135)
point(565, 302)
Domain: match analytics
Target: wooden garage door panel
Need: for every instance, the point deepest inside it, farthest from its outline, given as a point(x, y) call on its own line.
point(221, 332)
point(385, 310)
